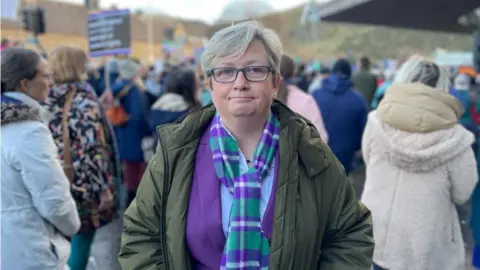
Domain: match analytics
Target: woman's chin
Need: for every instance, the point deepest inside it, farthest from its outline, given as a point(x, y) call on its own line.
point(241, 110)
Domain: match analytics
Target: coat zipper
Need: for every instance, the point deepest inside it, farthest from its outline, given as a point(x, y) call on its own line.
point(166, 185)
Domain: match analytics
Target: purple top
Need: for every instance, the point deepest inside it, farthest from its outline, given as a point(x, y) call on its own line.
point(204, 234)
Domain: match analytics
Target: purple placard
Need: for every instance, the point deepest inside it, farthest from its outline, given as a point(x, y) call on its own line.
point(109, 33)
point(110, 52)
point(107, 13)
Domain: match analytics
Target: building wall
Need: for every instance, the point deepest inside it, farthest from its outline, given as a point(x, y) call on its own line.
point(50, 41)
point(67, 24)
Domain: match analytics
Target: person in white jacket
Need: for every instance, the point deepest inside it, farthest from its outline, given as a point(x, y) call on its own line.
point(37, 210)
point(420, 164)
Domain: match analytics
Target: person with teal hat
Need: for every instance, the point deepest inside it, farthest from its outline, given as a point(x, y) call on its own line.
point(378, 96)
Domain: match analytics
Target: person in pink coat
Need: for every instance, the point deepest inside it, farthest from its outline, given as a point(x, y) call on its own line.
point(297, 100)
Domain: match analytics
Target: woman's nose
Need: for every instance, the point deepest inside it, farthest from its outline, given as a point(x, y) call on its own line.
point(240, 83)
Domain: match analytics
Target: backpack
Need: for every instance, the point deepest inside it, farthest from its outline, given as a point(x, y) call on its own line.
point(117, 114)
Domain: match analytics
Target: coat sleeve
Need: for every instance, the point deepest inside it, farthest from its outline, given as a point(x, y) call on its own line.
point(348, 239)
point(36, 159)
point(141, 247)
point(463, 176)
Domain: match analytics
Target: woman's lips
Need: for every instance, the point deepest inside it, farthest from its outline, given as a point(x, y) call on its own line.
point(242, 98)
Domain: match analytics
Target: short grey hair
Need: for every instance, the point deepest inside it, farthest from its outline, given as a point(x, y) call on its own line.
point(234, 41)
point(422, 70)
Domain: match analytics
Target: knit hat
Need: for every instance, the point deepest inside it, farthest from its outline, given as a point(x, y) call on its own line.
point(343, 67)
point(127, 69)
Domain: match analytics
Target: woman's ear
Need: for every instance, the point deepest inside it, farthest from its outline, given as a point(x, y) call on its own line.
point(277, 79)
point(23, 85)
point(208, 83)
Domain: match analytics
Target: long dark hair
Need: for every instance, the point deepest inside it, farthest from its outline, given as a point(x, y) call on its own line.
point(184, 83)
point(18, 64)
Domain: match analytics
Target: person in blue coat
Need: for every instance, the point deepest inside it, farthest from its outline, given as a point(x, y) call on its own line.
point(181, 96)
point(344, 112)
point(131, 133)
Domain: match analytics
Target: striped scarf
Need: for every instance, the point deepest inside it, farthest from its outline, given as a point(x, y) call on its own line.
point(246, 245)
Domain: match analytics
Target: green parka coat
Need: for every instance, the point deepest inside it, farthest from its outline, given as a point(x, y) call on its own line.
point(318, 221)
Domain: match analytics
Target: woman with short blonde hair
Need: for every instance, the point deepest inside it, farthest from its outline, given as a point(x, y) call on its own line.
point(68, 64)
point(87, 147)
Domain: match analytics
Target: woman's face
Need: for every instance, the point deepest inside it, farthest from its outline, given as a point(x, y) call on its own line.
point(38, 87)
point(243, 98)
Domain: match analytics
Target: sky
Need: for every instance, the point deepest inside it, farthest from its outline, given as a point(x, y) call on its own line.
point(206, 10)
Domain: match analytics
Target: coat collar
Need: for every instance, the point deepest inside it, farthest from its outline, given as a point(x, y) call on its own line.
point(18, 107)
point(418, 108)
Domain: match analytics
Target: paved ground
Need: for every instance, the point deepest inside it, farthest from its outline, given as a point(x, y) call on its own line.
point(105, 250)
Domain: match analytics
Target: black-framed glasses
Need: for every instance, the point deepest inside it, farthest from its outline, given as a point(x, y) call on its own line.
point(230, 74)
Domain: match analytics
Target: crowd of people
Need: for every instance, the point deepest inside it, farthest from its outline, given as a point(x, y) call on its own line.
point(240, 161)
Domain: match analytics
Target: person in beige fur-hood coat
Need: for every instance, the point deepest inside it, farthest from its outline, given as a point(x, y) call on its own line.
point(419, 165)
